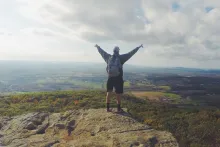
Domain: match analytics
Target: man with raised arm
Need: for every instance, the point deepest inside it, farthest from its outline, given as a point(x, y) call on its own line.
point(115, 72)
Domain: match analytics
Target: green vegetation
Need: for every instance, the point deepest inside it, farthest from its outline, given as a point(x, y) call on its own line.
point(144, 84)
point(192, 126)
point(149, 94)
point(50, 101)
point(87, 84)
point(140, 84)
point(127, 84)
point(165, 88)
point(154, 95)
point(174, 98)
point(172, 95)
point(79, 83)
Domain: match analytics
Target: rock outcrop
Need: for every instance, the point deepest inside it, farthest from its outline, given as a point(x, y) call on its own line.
point(80, 128)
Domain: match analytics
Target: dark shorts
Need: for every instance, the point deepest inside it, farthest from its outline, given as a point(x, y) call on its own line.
point(117, 83)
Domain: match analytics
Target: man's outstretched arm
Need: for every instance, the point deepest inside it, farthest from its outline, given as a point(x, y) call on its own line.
point(104, 54)
point(126, 57)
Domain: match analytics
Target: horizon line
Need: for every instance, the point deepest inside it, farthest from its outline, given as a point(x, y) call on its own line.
point(140, 66)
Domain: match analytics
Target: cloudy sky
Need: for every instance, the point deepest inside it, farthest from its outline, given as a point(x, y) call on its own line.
point(183, 33)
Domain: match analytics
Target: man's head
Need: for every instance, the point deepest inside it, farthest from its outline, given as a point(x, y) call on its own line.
point(116, 50)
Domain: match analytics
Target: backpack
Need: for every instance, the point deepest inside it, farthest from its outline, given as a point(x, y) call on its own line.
point(113, 67)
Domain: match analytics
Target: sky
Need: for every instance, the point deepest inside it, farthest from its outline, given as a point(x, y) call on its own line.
point(174, 33)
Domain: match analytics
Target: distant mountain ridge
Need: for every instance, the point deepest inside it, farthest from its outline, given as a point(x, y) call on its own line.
point(94, 67)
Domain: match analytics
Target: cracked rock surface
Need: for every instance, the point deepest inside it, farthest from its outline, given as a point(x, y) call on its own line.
point(80, 128)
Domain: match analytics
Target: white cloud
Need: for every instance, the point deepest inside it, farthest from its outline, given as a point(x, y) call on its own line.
point(189, 34)
point(39, 32)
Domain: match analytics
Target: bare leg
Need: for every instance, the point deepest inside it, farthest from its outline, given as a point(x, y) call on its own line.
point(108, 100)
point(118, 96)
point(108, 97)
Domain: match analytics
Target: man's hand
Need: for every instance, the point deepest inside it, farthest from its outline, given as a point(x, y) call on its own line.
point(141, 46)
point(96, 46)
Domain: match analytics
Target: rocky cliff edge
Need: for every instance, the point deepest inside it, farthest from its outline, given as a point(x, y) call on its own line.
point(80, 128)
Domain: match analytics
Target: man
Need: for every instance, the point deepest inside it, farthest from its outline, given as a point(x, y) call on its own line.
point(115, 72)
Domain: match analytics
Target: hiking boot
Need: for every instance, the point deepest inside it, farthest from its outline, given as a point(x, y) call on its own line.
point(108, 110)
point(120, 110)
point(107, 107)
